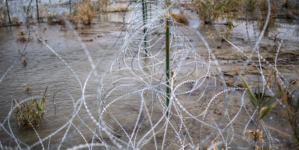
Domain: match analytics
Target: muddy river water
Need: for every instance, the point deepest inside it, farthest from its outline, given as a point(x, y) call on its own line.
point(63, 67)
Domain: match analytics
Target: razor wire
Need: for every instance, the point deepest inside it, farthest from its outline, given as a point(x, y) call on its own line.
point(201, 105)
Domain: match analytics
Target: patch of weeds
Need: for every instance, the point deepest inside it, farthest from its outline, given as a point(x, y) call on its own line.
point(84, 13)
point(24, 62)
point(264, 104)
point(263, 9)
point(203, 10)
point(233, 5)
point(291, 108)
point(180, 18)
point(218, 9)
point(227, 33)
point(29, 114)
point(15, 21)
point(22, 37)
point(261, 101)
point(214, 37)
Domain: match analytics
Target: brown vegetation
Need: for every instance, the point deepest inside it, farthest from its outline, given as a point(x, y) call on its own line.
point(15, 21)
point(180, 18)
point(21, 36)
point(83, 13)
point(217, 9)
point(24, 62)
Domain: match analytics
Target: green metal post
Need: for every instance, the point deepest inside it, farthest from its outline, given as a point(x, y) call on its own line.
point(167, 66)
point(70, 6)
point(150, 10)
point(144, 11)
point(8, 12)
point(37, 11)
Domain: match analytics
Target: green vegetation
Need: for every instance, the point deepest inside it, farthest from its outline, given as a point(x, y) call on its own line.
point(30, 113)
point(260, 101)
point(264, 105)
point(226, 33)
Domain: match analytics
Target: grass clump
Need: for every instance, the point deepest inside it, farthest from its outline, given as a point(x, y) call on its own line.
point(15, 21)
point(180, 18)
point(232, 5)
point(29, 114)
point(21, 36)
point(264, 105)
point(227, 32)
point(203, 10)
point(260, 101)
point(122, 8)
point(83, 13)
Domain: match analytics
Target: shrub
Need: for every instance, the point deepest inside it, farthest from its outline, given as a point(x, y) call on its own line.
point(83, 13)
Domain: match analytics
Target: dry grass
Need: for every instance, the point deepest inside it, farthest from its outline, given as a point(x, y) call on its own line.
point(84, 13)
point(15, 21)
point(24, 62)
point(233, 5)
point(118, 8)
point(263, 5)
point(21, 36)
point(291, 103)
point(123, 8)
point(180, 18)
point(217, 9)
point(295, 12)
